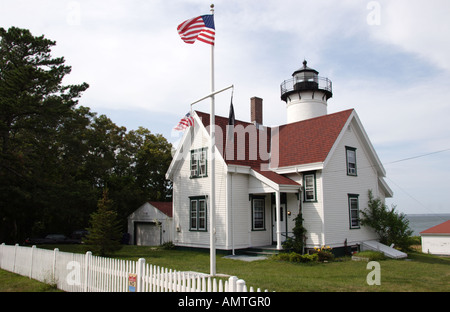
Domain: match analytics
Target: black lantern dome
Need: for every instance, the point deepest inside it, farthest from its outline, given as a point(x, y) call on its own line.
point(306, 79)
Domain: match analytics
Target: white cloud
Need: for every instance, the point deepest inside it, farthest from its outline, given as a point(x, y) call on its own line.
point(419, 27)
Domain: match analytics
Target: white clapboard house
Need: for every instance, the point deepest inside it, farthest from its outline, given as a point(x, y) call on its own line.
point(320, 164)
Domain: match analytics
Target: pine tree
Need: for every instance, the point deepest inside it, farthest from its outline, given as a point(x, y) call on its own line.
point(299, 234)
point(297, 243)
point(105, 231)
point(33, 102)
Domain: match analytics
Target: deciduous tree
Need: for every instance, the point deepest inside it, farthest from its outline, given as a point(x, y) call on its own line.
point(391, 227)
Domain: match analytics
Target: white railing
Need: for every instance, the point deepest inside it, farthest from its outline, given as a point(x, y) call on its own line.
point(73, 272)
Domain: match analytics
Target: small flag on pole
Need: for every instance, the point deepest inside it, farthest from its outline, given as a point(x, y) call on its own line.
point(231, 118)
point(201, 28)
point(186, 122)
point(230, 130)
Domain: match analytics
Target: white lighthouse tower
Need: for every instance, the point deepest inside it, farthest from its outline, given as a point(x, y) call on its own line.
point(306, 94)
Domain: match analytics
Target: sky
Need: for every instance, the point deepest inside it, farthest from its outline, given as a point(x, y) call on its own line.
point(387, 59)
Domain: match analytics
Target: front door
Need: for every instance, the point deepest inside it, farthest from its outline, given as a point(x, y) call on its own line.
point(282, 218)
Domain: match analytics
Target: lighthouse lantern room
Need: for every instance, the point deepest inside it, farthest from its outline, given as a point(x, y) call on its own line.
point(306, 94)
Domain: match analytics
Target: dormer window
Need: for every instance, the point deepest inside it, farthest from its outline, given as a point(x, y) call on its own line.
point(351, 161)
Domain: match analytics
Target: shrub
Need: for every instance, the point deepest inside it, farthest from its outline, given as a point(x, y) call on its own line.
point(324, 254)
point(391, 227)
point(282, 256)
point(309, 258)
point(299, 234)
point(296, 257)
point(168, 246)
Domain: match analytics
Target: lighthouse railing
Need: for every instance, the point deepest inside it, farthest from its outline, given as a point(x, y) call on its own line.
point(321, 83)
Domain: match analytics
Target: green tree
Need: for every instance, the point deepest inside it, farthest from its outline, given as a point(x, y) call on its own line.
point(152, 159)
point(57, 157)
point(105, 231)
point(299, 234)
point(297, 243)
point(391, 227)
point(33, 101)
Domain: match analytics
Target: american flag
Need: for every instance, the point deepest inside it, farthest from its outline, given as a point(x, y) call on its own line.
point(186, 122)
point(201, 28)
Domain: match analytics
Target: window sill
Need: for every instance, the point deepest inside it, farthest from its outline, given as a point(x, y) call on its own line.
point(198, 177)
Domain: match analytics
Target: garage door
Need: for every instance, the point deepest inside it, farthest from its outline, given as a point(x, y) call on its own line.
point(147, 234)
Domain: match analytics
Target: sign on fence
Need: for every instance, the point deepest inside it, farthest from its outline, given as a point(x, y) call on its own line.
point(132, 282)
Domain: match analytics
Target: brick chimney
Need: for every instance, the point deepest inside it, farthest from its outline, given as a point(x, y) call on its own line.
point(256, 110)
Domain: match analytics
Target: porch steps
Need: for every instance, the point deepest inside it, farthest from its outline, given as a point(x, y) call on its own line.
point(262, 251)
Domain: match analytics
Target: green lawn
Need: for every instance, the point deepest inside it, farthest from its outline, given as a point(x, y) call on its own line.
point(420, 272)
point(10, 282)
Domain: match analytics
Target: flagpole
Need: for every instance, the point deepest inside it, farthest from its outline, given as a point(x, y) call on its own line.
point(212, 148)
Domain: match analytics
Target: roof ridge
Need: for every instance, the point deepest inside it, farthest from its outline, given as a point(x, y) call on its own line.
point(306, 120)
point(241, 121)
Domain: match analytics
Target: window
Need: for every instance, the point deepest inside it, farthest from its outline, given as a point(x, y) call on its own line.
point(353, 205)
point(309, 182)
point(258, 213)
point(351, 160)
point(197, 214)
point(199, 163)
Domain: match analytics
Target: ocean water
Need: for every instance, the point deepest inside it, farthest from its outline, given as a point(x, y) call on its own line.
point(421, 222)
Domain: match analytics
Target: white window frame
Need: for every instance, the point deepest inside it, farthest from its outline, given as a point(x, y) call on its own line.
point(353, 211)
point(310, 188)
point(198, 214)
point(199, 163)
point(258, 214)
point(350, 152)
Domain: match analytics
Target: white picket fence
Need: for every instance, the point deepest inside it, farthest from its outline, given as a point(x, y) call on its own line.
point(73, 272)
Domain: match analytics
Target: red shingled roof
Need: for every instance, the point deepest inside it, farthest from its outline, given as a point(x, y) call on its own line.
point(443, 228)
point(310, 141)
point(248, 160)
point(302, 142)
point(164, 207)
point(275, 177)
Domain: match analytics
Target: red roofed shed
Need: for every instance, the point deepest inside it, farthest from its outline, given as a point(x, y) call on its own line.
point(436, 240)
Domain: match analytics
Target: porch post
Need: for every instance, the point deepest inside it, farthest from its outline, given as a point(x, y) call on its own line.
point(277, 203)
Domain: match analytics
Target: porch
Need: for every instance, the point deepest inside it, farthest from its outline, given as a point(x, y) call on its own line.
point(284, 196)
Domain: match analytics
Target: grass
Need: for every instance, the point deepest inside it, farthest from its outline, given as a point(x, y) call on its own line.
point(10, 282)
point(420, 272)
point(371, 255)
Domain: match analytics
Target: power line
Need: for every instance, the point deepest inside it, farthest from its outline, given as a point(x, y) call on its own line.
point(401, 160)
point(395, 161)
point(409, 158)
point(414, 157)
